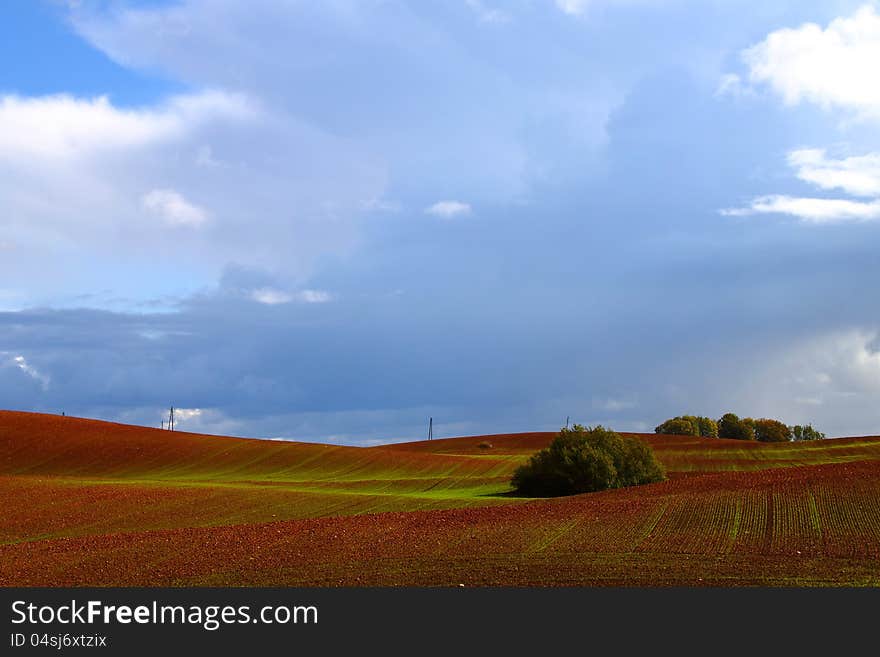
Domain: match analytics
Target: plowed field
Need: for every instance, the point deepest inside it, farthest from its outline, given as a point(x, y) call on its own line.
point(84, 502)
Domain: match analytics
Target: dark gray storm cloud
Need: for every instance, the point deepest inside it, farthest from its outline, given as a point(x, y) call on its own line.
point(589, 271)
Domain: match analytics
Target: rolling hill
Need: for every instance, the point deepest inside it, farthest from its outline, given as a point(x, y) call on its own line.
point(96, 503)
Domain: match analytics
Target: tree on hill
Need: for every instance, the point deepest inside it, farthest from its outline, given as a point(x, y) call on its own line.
point(731, 426)
point(806, 432)
point(678, 426)
point(708, 427)
point(584, 460)
point(771, 431)
point(689, 425)
point(765, 430)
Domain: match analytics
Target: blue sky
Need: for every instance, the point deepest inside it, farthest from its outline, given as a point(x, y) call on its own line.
point(329, 221)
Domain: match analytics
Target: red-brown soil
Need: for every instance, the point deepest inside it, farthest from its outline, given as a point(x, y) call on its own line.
point(92, 503)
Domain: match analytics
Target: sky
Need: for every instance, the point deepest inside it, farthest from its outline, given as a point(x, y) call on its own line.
point(331, 221)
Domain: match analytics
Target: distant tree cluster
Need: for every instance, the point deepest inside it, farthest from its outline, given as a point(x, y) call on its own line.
point(584, 460)
point(770, 431)
point(731, 426)
point(690, 425)
point(806, 432)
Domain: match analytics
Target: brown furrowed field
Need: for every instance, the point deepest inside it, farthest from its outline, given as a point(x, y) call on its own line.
point(95, 503)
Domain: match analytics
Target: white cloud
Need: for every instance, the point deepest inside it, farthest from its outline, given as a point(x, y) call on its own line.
point(449, 209)
point(381, 205)
point(173, 208)
point(832, 67)
point(487, 14)
point(810, 210)
point(831, 379)
point(732, 85)
point(272, 296)
point(64, 127)
point(19, 361)
point(572, 7)
point(580, 7)
point(184, 414)
point(858, 175)
point(83, 181)
point(267, 48)
point(314, 296)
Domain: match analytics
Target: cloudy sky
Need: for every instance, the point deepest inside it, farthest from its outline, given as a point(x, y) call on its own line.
point(332, 220)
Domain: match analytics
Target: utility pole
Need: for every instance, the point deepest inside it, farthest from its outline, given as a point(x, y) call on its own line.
point(430, 428)
point(566, 421)
point(171, 419)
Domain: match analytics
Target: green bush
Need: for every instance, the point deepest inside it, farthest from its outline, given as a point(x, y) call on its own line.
point(806, 432)
point(708, 427)
point(771, 431)
point(730, 426)
point(689, 425)
point(584, 460)
point(678, 426)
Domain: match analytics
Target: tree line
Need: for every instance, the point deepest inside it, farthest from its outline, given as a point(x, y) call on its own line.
point(730, 425)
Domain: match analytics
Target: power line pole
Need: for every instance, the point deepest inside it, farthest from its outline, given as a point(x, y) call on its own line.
point(430, 428)
point(171, 419)
point(566, 421)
